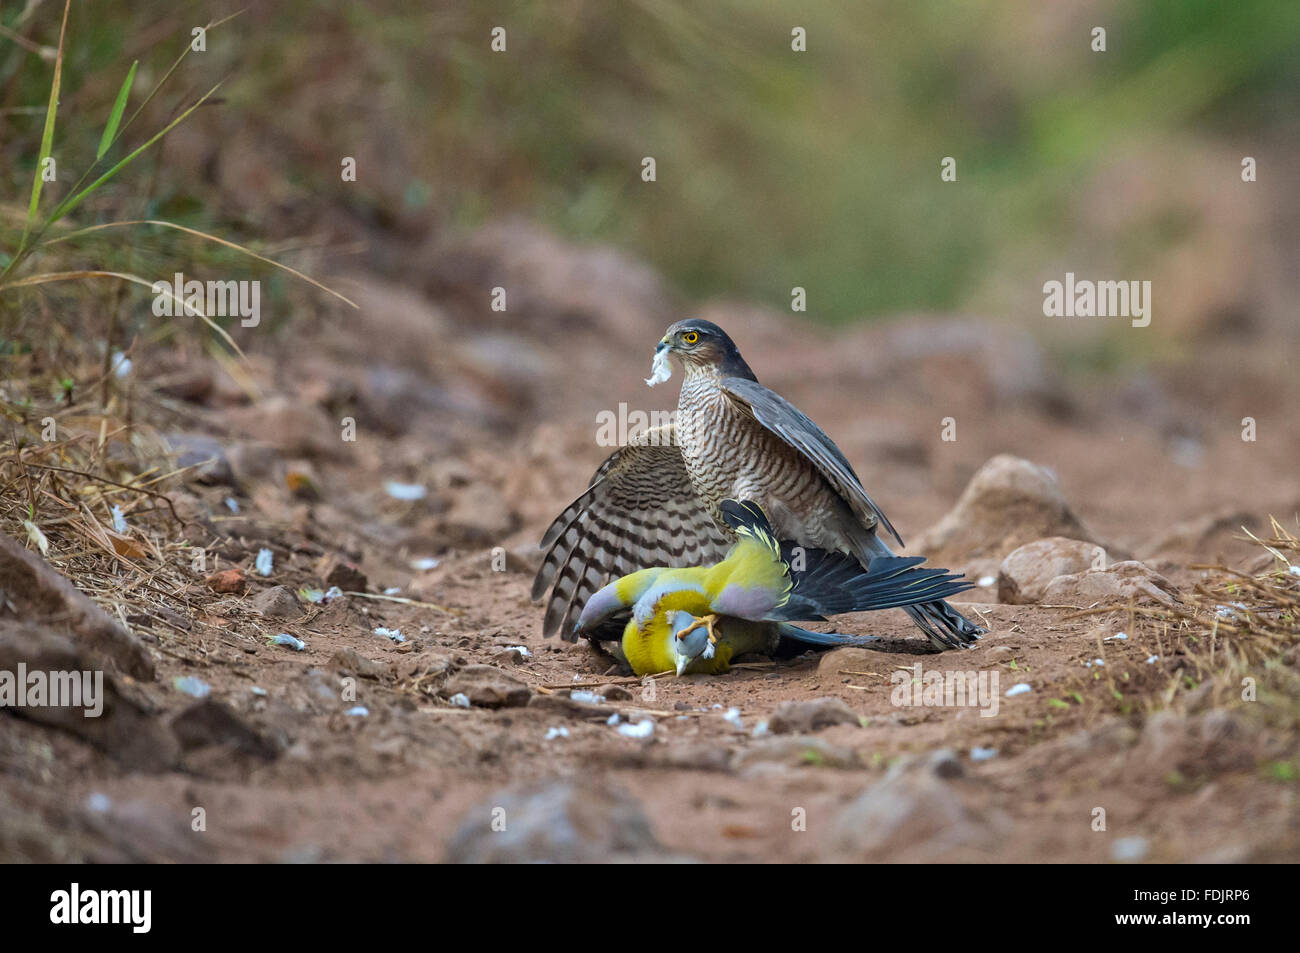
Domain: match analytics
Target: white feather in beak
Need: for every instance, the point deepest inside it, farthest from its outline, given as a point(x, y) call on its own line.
point(660, 370)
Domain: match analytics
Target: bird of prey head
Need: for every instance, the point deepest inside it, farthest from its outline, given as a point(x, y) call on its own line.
point(701, 346)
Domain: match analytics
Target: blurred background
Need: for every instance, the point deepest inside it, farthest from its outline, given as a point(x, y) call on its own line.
point(775, 168)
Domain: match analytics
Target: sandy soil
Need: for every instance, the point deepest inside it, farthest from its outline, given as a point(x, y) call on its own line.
point(495, 414)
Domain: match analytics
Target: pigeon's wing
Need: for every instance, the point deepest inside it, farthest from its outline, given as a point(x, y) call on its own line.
point(640, 511)
point(793, 426)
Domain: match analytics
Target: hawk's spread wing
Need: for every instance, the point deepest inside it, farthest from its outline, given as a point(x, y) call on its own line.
point(640, 511)
point(794, 427)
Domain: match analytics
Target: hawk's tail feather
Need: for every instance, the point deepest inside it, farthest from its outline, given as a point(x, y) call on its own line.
point(946, 627)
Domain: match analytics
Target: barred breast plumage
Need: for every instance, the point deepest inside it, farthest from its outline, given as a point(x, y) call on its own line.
point(728, 455)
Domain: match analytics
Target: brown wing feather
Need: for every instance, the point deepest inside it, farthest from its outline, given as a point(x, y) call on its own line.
point(640, 511)
point(795, 427)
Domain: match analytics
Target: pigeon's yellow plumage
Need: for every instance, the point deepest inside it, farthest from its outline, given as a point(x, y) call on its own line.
point(698, 618)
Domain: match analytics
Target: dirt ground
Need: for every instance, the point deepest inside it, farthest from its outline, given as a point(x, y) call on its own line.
point(1147, 757)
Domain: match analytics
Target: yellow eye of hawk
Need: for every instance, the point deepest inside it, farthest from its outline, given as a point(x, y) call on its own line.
point(690, 337)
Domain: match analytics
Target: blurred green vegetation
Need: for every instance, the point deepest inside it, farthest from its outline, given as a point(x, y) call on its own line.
point(775, 168)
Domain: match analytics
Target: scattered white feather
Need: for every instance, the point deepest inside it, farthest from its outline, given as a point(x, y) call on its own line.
point(1020, 688)
point(983, 754)
point(1095, 661)
point(520, 649)
point(392, 590)
point(642, 729)
point(1295, 570)
point(232, 504)
point(589, 698)
point(121, 364)
point(394, 635)
point(613, 719)
point(732, 716)
point(660, 370)
point(284, 638)
point(332, 593)
point(119, 521)
point(760, 729)
point(360, 711)
point(258, 691)
point(560, 732)
point(314, 596)
point(263, 562)
point(1153, 659)
point(423, 563)
point(98, 802)
point(1129, 849)
point(35, 535)
point(986, 581)
point(1121, 636)
point(192, 686)
point(460, 700)
point(405, 491)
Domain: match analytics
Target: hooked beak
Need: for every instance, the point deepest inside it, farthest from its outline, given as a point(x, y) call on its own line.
point(663, 345)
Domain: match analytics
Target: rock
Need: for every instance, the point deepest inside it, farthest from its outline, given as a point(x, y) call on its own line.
point(1025, 574)
point(567, 707)
point(37, 593)
point(488, 687)
point(796, 751)
point(802, 717)
point(125, 727)
point(294, 428)
point(205, 454)
point(558, 822)
point(945, 764)
point(913, 815)
point(834, 666)
point(1117, 585)
point(228, 581)
point(509, 657)
point(1008, 503)
point(252, 463)
point(349, 660)
point(278, 602)
point(337, 571)
point(479, 516)
point(210, 723)
point(192, 383)
point(614, 693)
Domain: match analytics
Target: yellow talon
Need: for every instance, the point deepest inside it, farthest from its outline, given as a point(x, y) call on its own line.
point(708, 621)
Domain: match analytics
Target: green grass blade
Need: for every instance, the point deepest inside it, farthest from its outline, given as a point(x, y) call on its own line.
point(72, 201)
point(47, 137)
point(115, 117)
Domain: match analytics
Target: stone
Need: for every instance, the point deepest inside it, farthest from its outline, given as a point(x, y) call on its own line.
point(232, 581)
point(278, 602)
point(1009, 502)
point(1117, 585)
point(488, 687)
point(1025, 574)
point(36, 592)
point(803, 717)
point(558, 822)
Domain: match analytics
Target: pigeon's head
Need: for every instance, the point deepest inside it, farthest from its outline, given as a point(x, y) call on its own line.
point(690, 640)
point(702, 347)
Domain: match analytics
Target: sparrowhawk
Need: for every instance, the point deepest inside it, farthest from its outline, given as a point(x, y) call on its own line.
point(657, 500)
